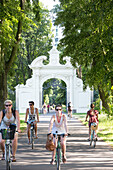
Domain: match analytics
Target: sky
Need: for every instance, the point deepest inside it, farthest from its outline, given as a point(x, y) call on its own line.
point(49, 3)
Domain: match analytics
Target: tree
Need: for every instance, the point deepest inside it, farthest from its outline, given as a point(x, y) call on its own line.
point(87, 39)
point(35, 42)
point(13, 19)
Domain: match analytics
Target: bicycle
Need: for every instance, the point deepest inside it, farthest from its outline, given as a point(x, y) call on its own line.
point(8, 136)
point(58, 155)
point(93, 134)
point(32, 129)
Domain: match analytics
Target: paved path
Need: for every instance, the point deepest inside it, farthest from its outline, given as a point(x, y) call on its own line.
point(80, 156)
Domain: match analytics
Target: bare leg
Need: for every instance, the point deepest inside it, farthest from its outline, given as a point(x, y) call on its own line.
point(14, 144)
point(2, 144)
point(63, 145)
point(36, 129)
point(89, 132)
point(28, 131)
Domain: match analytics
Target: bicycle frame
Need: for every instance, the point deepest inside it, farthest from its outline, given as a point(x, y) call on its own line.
point(8, 136)
point(32, 134)
point(58, 151)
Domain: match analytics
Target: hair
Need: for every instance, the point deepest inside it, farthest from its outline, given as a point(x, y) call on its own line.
point(31, 102)
point(58, 105)
point(92, 105)
point(8, 101)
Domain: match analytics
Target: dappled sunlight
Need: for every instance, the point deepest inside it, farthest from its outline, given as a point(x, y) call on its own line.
point(80, 155)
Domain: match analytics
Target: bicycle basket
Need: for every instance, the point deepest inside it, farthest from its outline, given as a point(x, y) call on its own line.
point(8, 133)
point(94, 126)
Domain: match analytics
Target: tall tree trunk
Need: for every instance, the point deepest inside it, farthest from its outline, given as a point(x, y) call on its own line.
point(3, 89)
point(104, 99)
point(7, 64)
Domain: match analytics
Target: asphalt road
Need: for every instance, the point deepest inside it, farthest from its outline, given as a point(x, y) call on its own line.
point(80, 156)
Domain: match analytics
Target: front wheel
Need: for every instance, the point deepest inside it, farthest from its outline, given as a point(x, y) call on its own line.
point(32, 138)
point(8, 160)
point(58, 159)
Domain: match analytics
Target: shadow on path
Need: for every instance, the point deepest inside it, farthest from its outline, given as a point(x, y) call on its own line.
point(80, 156)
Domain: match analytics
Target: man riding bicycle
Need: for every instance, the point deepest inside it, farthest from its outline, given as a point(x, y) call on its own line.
point(33, 115)
point(93, 117)
point(58, 123)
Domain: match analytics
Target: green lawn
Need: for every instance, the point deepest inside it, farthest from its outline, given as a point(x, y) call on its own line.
point(105, 129)
point(22, 124)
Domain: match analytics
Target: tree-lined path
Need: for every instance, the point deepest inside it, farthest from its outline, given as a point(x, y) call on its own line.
point(80, 156)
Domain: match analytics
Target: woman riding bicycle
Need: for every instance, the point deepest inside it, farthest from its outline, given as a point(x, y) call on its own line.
point(8, 116)
point(58, 123)
point(93, 117)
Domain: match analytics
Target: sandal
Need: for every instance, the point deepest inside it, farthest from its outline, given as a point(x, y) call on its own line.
point(64, 159)
point(36, 137)
point(3, 157)
point(13, 159)
point(29, 142)
point(51, 162)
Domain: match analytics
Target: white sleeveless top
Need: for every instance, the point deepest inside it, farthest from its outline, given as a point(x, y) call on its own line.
point(6, 122)
point(32, 116)
point(59, 127)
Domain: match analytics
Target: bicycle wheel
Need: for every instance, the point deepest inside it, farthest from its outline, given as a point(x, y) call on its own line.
point(91, 139)
point(94, 140)
point(58, 159)
point(8, 159)
point(32, 138)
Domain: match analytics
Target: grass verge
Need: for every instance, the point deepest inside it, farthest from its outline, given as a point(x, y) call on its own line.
point(105, 129)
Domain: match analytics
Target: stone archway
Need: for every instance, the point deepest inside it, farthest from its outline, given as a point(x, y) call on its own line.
point(33, 88)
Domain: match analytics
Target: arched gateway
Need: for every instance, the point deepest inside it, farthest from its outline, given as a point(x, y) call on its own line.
point(33, 89)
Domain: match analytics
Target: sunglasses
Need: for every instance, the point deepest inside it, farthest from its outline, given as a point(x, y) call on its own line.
point(58, 109)
point(8, 105)
point(30, 104)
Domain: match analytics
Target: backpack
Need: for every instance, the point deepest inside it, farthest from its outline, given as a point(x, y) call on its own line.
point(13, 111)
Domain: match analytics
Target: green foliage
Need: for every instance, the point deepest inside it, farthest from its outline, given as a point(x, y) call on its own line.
point(56, 91)
point(88, 39)
point(36, 41)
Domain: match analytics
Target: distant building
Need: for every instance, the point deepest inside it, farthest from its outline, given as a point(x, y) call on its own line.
point(56, 30)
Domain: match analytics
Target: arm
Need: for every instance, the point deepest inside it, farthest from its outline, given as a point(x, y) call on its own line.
point(18, 121)
point(37, 113)
point(51, 124)
point(1, 115)
point(27, 111)
point(86, 117)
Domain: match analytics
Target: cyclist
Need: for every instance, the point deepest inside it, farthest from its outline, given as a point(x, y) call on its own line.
point(33, 115)
point(58, 123)
point(8, 116)
point(93, 117)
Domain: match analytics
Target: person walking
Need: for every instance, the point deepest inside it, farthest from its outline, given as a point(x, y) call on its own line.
point(48, 106)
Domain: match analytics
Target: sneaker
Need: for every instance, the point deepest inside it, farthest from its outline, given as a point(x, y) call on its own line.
point(13, 159)
point(52, 162)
